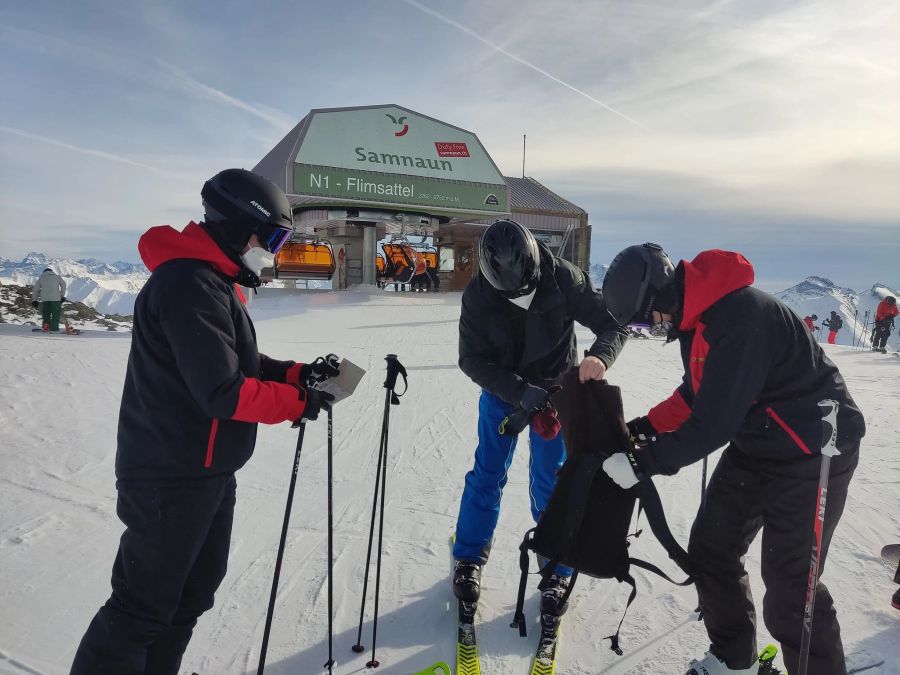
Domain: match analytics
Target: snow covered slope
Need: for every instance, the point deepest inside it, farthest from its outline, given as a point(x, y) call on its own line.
point(819, 296)
point(59, 399)
point(108, 288)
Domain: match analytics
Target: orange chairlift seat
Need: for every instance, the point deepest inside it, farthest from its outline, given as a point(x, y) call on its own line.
point(406, 261)
point(305, 260)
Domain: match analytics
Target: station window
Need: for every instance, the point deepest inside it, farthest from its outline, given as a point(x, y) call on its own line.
point(447, 260)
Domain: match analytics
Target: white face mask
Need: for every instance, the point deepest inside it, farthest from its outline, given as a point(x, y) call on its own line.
point(257, 259)
point(523, 301)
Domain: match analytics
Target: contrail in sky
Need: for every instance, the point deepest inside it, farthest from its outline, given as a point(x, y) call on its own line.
point(77, 148)
point(277, 119)
point(495, 47)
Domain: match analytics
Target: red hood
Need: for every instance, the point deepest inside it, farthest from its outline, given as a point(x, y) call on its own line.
point(161, 244)
point(708, 278)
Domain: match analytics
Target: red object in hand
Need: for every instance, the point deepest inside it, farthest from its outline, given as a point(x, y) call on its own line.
point(546, 424)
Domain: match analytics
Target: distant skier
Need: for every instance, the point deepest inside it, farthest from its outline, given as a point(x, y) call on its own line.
point(884, 323)
point(195, 389)
point(833, 324)
point(754, 377)
point(516, 335)
point(810, 321)
point(51, 289)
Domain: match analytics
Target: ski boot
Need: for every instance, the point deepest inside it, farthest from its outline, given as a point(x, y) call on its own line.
point(895, 600)
point(552, 591)
point(712, 665)
point(467, 580)
point(767, 660)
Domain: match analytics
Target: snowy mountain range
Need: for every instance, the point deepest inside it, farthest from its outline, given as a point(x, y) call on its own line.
point(110, 288)
point(820, 296)
point(596, 272)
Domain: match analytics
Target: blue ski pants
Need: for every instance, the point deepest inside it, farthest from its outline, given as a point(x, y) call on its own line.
point(479, 508)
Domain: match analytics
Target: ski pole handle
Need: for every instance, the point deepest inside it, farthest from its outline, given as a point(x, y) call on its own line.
point(394, 369)
point(829, 410)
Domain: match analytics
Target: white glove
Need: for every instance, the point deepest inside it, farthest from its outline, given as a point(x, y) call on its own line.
point(619, 469)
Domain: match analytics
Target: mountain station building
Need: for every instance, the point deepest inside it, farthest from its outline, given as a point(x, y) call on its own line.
point(359, 176)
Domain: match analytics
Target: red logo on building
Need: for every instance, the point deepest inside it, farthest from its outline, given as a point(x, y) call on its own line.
point(400, 123)
point(451, 149)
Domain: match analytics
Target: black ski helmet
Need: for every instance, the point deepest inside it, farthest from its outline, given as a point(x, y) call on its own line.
point(891, 300)
point(634, 281)
point(509, 258)
point(239, 203)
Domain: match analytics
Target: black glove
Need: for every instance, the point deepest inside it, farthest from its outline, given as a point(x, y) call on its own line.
point(320, 369)
point(640, 431)
point(35, 304)
point(533, 398)
point(316, 401)
point(62, 299)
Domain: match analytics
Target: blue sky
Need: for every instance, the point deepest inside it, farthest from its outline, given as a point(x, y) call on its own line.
point(766, 127)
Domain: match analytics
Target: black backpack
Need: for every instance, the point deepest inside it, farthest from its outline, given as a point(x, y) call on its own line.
point(586, 523)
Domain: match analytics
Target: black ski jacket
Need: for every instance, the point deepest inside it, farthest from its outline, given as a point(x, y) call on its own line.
point(196, 385)
point(834, 323)
point(502, 347)
point(754, 375)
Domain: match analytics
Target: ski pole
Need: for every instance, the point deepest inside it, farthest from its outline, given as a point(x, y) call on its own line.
point(853, 341)
point(829, 409)
point(359, 647)
point(394, 369)
point(281, 543)
point(373, 662)
point(862, 337)
point(330, 663)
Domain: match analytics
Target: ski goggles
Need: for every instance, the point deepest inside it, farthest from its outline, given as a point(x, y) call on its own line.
point(273, 238)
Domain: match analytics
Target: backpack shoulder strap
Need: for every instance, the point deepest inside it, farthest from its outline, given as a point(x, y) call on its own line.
point(519, 617)
point(650, 567)
point(614, 638)
point(649, 497)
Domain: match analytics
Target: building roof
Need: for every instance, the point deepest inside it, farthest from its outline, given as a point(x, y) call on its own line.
point(527, 193)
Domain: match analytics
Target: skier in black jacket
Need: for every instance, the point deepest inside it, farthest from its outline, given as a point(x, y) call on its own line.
point(516, 336)
point(833, 324)
point(754, 376)
point(195, 389)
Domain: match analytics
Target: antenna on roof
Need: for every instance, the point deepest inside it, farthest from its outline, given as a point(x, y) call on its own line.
point(523, 155)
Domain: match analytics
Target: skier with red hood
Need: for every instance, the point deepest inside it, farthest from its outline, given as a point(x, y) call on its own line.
point(754, 377)
point(195, 389)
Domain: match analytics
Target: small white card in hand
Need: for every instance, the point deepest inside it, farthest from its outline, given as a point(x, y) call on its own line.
point(344, 384)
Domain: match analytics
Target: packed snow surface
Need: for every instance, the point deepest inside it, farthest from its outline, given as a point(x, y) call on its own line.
point(59, 399)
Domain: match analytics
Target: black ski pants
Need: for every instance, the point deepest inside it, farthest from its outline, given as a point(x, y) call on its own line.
point(881, 332)
point(171, 559)
point(745, 495)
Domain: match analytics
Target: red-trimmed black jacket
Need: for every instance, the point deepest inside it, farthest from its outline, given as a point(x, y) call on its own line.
point(754, 375)
point(196, 386)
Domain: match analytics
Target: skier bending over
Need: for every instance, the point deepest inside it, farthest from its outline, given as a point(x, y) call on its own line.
point(810, 322)
point(834, 324)
point(51, 289)
point(884, 323)
point(753, 379)
point(195, 389)
point(516, 335)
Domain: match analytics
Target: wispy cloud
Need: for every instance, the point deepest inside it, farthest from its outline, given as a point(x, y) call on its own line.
point(468, 31)
point(86, 151)
point(280, 120)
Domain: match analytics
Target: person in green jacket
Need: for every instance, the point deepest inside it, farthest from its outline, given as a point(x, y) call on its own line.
point(51, 289)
